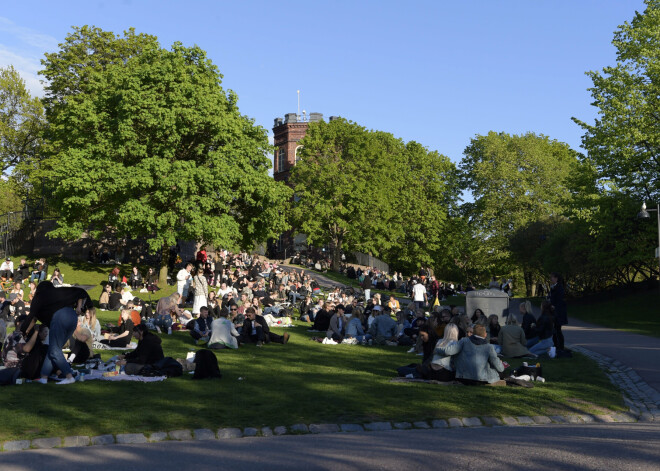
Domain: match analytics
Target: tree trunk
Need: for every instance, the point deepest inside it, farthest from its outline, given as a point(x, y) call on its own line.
point(529, 283)
point(336, 255)
point(164, 260)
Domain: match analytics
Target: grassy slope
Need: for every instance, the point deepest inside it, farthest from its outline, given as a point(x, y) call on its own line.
point(638, 313)
point(282, 385)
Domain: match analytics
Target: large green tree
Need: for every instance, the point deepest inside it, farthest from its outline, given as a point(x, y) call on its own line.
point(144, 141)
point(624, 141)
point(21, 122)
point(514, 180)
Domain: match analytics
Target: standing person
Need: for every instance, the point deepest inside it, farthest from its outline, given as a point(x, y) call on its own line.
point(183, 281)
point(557, 294)
point(201, 288)
point(419, 295)
point(58, 308)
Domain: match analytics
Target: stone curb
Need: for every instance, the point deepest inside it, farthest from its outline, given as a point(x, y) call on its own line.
point(304, 429)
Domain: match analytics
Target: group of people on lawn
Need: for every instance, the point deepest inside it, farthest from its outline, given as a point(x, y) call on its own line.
point(248, 301)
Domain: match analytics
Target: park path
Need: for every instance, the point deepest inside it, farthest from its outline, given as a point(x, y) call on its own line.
point(594, 447)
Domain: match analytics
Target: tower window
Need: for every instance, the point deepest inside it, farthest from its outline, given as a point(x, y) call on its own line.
point(298, 149)
point(281, 160)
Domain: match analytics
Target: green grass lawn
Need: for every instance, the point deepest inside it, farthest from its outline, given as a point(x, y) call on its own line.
point(302, 382)
point(638, 313)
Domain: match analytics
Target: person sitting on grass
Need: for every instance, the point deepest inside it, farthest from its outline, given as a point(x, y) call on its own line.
point(474, 358)
point(438, 366)
point(223, 333)
point(354, 327)
point(213, 305)
point(545, 326)
point(80, 343)
point(337, 325)
point(93, 324)
point(201, 330)
point(493, 327)
point(113, 279)
point(104, 300)
point(255, 329)
point(164, 309)
point(383, 329)
point(528, 323)
point(135, 279)
point(123, 333)
point(512, 339)
point(114, 300)
point(147, 352)
point(322, 318)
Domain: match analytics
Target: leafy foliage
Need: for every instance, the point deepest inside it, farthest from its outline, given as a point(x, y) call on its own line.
point(145, 141)
point(624, 141)
point(21, 121)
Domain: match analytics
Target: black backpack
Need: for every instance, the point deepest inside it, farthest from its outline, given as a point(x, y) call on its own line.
point(168, 366)
point(206, 365)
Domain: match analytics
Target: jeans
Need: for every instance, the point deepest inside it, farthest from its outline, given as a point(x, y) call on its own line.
point(531, 342)
point(542, 347)
point(163, 321)
point(62, 325)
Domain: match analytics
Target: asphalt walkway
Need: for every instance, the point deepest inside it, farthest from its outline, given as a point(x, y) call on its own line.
point(548, 447)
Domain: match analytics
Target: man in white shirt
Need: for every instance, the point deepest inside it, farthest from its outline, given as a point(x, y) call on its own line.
point(7, 269)
point(183, 281)
point(419, 295)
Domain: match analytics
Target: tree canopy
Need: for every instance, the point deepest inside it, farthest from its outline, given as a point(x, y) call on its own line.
point(360, 190)
point(145, 141)
point(21, 121)
point(624, 141)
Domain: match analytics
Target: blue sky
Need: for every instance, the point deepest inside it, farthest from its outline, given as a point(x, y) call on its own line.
point(437, 72)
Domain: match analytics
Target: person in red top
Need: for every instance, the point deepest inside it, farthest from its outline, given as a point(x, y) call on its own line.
point(201, 255)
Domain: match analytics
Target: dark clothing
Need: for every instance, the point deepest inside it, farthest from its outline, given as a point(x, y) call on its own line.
point(261, 332)
point(545, 326)
point(527, 321)
point(136, 280)
point(148, 351)
point(114, 302)
point(126, 339)
point(48, 300)
point(322, 320)
point(559, 303)
point(80, 350)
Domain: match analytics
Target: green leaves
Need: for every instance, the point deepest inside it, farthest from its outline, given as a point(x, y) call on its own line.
point(367, 191)
point(146, 142)
point(624, 141)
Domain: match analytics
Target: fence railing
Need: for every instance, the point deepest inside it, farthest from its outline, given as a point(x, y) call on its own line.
point(15, 233)
point(371, 261)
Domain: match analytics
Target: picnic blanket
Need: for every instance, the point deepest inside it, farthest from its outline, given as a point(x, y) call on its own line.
point(96, 374)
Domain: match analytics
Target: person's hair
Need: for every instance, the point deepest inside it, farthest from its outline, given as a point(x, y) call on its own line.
point(475, 316)
point(224, 312)
point(118, 289)
point(56, 270)
point(92, 317)
point(189, 265)
point(479, 330)
point(250, 310)
point(511, 319)
point(358, 312)
point(560, 279)
point(142, 328)
point(547, 308)
point(451, 335)
point(493, 317)
point(115, 271)
point(528, 307)
point(205, 308)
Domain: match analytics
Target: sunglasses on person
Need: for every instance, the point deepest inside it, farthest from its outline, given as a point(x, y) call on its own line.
point(233, 309)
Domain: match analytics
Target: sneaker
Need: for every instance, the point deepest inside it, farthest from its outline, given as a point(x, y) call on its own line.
point(389, 343)
point(158, 329)
point(260, 344)
point(409, 376)
point(169, 331)
point(41, 381)
point(67, 381)
point(286, 337)
point(553, 352)
point(412, 350)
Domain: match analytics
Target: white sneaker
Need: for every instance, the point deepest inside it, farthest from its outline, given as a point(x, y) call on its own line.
point(41, 380)
point(409, 376)
point(553, 352)
point(67, 381)
point(412, 350)
point(158, 329)
point(169, 331)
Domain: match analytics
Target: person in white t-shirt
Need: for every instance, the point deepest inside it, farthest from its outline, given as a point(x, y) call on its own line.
point(419, 295)
point(7, 269)
point(183, 280)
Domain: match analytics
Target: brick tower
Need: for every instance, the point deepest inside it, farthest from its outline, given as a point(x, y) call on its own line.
point(287, 132)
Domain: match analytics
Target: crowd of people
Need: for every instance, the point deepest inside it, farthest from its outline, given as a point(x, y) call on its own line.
point(235, 299)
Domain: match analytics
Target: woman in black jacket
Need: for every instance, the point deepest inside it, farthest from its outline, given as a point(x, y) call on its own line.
point(148, 351)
